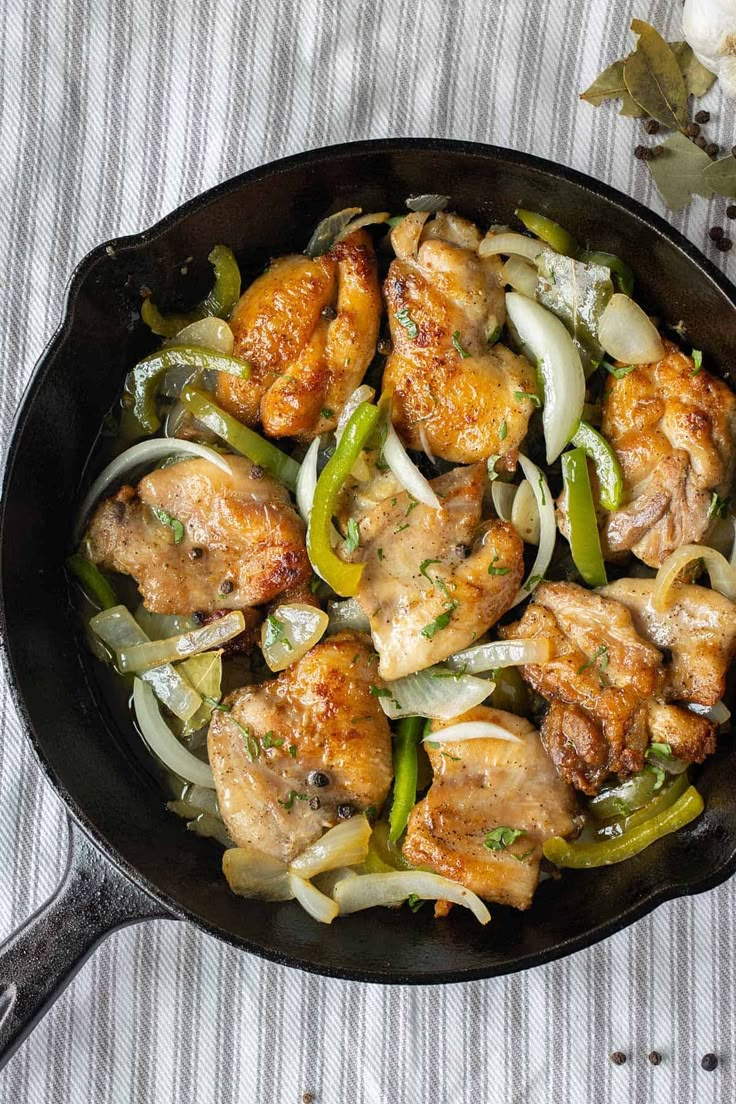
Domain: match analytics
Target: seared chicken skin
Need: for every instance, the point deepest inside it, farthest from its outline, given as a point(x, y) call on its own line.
point(276, 800)
point(241, 542)
point(456, 390)
point(481, 785)
point(308, 327)
point(434, 581)
point(601, 683)
point(674, 432)
point(698, 627)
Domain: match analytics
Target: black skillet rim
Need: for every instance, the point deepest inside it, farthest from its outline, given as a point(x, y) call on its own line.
point(309, 157)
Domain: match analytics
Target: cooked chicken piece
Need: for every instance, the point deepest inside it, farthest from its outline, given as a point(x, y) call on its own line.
point(481, 785)
point(674, 432)
point(604, 685)
point(455, 391)
point(698, 628)
point(241, 542)
point(309, 328)
point(690, 736)
point(435, 580)
point(280, 800)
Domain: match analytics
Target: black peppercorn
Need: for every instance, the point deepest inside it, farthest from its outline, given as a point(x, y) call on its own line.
point(724, 244)
point(198, 617)
point(692, 130)
point(344, 812)
point(314, 803)
point(618, 1058)
point(712, 149)
point(701, 142)
point(384, 346)
point(709, 1062)
point(642, 153)
point(651, 126)
point(227, 586)
point(716, 233)
point(329, 313)
point(256, 472)
point(654, 1056)
point(196, 553)
point(317, 778)
point(731, 210)
point(657, 151)
point(702, 117)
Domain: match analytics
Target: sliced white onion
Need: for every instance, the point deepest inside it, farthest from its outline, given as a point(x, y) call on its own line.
point(327, 230)
point(174, 419)
point(250, 873)
point(306, 480)
point(434, 692)
point(525, 513)
point(407, 473)
point(503, 495)
point(426, 445)
point(430, 203)
point(547, 527)
point(347, 615)
point(369, 890)
point(178, 377)
point(722, 573)
point(405, 237)
point(312, 900)
point(559, 365)
point(156, 626)
point(471, 730)
point(719, 713)
point(501, 653)
point(297, 627)
point(627, 334)
point(364, 220)
point(520, 275)
point(364, 393)
point(209, 333)
point(140, 657)
point(344, 845)
point(162, 741)
point(119, 629)
point(146, 452)
point(510, 243)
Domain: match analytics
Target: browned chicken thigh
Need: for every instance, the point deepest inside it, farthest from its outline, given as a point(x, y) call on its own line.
point(482, 785)
point(674, 432)
point(435, 580)
point(456, 390)
point(308, 327)
point(230, 541)
point(294, 755)
point(603, 684)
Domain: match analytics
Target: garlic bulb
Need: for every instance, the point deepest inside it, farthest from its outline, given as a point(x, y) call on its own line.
point(710, 28)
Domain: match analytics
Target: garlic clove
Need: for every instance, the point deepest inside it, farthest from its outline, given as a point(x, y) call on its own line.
point(709, 26)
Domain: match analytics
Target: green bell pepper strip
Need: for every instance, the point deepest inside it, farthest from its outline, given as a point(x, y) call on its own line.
point(220, 301)
point(623, 277)
point(383, 855)
point(510, 692)
point(585, 543)
point(244, 440)
point(659, 803)
point(94, 583)
point(618, 848)
point(607, 467)
point(548, 231)
point(344, 578)
point(143, 381)
point(405, 774)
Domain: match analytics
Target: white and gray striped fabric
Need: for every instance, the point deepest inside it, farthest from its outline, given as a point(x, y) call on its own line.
point(110, 116)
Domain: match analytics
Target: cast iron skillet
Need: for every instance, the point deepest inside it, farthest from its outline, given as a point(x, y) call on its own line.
point(129, 858)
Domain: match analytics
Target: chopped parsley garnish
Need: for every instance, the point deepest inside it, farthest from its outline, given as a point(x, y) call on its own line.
point(414, 902)
point(502, 837)
point(503, 431)
point(412, 504)
point(697, 356)
point(619, 373)
point(371, 811)
point(293, 796)
point(352, 536)
point(542, 495)
point(327, 413)
point(251, 745)
point(523, 855)
point(423, 568)
point(659, 776)
point(269, 742)
point(213, 703)
point(447, 755)
point(439, 623)
point(495, 334)
point(276, 633)
point(379, 553)
point(173, 523)
point(379, 691)
point(402, 528)
point(533, 398)
point(445, 672)
point(434, 744)
point(532, 582)
point(405, 319)
point(599, 660)
point(456, 342)
point(492, 473)
point(292, 751)
point(314, 583)
point(663, 751)
point(718, 506)
point(493, 570)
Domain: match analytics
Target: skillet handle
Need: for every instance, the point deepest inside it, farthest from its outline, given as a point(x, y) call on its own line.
point(40, 958)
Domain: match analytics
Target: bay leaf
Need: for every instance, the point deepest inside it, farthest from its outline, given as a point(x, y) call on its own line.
point(697, 78)
point(653, 78)
point(610, 86)
point(721, 176)
point(680, 172)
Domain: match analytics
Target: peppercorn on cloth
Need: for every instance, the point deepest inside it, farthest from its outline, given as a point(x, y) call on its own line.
point(110, 116)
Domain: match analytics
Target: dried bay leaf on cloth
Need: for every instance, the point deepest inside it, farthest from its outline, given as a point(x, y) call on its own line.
point(653, 78)
point(698, 79)
point(721, 176)
point(680, 172)
point(610, 86)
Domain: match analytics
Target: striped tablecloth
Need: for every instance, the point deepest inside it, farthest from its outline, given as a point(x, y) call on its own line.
point(110, 116)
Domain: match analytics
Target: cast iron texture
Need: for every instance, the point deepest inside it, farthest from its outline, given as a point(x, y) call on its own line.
point(90, 755)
